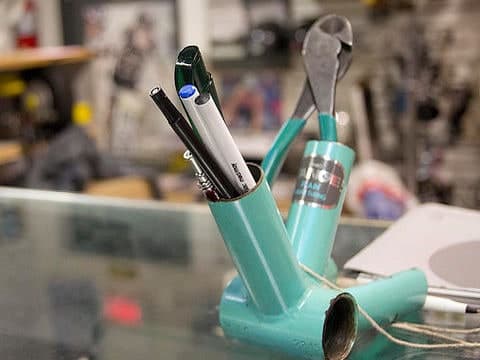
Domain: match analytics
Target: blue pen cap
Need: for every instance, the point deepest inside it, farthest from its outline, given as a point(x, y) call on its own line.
point(187, 91)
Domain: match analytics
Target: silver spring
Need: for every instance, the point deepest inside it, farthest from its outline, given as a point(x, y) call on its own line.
point(203, 182)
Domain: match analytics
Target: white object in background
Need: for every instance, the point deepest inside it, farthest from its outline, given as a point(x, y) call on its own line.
point(376, 175)
point(443, 241)
point(253, 145)
point(11, 11)
point(344, 127)
point(49, 23)
point(194, 25)
point(127, 114)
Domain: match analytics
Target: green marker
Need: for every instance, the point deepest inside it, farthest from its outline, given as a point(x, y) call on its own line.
point(190, 70)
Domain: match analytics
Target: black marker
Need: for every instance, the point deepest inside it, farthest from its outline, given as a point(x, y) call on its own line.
point(183, 130)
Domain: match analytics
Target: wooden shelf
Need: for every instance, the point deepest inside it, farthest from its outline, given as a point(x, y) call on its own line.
point(9, 151)
point(43, 57)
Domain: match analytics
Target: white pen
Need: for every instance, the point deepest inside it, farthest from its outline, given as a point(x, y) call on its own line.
point(219, 141)
point(436, 303)
point(188, 94)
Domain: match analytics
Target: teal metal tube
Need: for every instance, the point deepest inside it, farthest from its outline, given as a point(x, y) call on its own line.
point(275, 157)
point(317, 201)
point(312, 223)
point(328, 127)
point(331, 270)
point(273, 302)
point(256, 238)
point(387, 299)
point(322, 326)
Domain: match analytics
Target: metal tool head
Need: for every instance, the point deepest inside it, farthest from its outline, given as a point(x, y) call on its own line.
point(327, 55)
point(340, 28)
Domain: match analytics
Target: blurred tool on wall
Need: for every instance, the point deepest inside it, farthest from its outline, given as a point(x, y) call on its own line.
point(40, 114)
point(127, 107)
point(134, 42)
point(417, 106)
point(12, 163)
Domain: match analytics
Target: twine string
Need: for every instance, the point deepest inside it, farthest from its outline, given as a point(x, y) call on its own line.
point(412, 327)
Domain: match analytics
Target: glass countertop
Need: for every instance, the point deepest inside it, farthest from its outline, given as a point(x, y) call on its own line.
point(99, 278)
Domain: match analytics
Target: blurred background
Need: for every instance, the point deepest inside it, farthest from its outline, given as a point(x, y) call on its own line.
point(75, 115)
point(112, 276)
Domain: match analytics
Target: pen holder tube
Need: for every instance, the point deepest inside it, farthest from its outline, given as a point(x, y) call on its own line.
point(323, 326)
point(318, 200)
point(272, 302)
point(256, 238)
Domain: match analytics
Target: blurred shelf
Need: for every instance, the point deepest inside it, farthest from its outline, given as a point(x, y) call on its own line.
point(253, 145)
point(129, 187)
point(9, 151)
point(43, 57)
point(276, 62)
